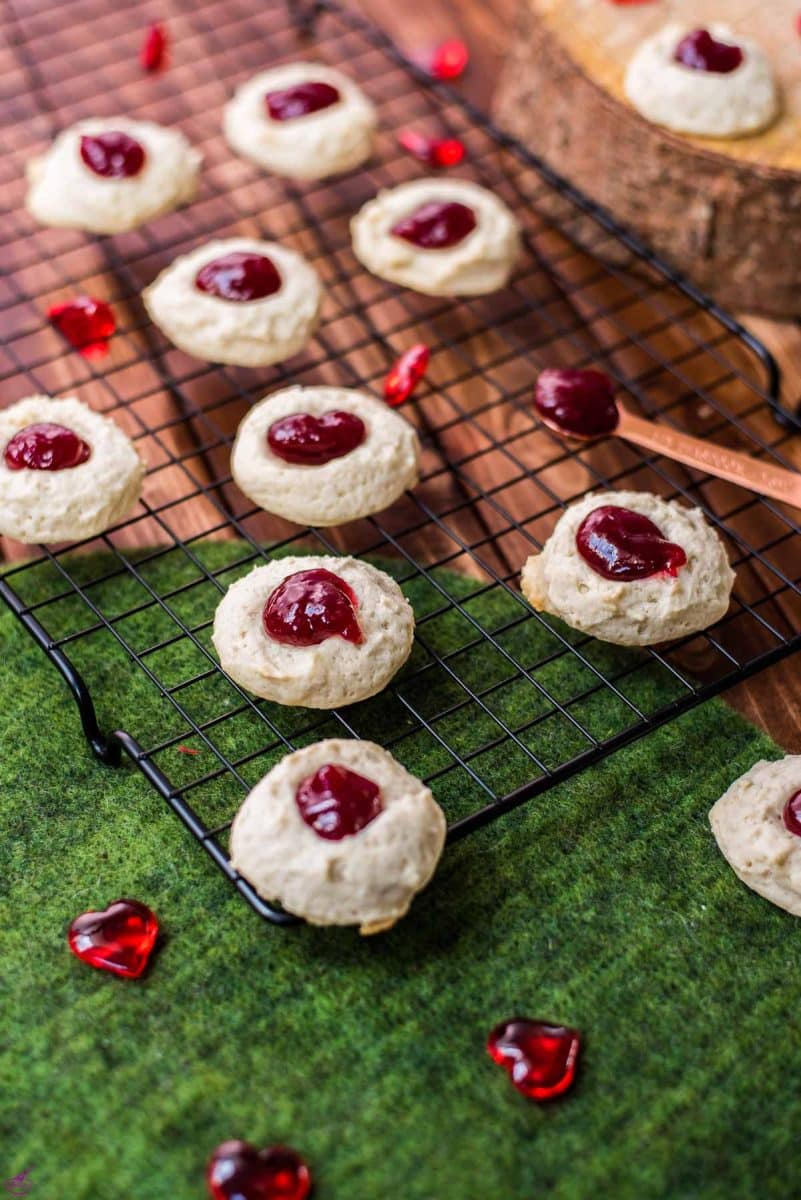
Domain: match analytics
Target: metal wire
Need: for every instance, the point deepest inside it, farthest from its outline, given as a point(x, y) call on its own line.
point(494, 481)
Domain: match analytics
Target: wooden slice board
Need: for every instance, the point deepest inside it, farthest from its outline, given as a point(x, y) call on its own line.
point(726, 212)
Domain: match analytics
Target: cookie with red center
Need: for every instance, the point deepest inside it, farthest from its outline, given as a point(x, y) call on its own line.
point(303, 120)
point(109, 175)
point(239, 300)
point(66, 472)
point(318, 632)
point(341, 834)
point(631, 568)
point(324, 455)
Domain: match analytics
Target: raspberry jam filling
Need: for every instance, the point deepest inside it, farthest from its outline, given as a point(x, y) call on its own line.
point(311, 606)
point(337, 803)
point(112, 155)
point(46, 447)
point(580, 402)
point(239, 1171)
point(792, 815)
point(286, 104)
point(624, 545)
point(436, 225)
point(119, 939)
point(311, 441)
point(539, 1058)
point(240, 276)
point(701, 52)
point(86, 323)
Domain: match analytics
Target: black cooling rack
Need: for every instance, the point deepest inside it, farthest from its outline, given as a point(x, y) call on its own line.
point(494, 481)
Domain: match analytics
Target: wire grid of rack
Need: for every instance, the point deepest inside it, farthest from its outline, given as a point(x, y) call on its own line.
point(494, 480)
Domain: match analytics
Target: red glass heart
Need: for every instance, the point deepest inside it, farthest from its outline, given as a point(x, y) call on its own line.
point(624, 545)
point(539, 1058)
point(434, 152)
point(581, 402)
point(238, 1171)
point(448, 60)
point(86, 323)
point(46, 446)
point(112, 155)
point(307, 440)
point(240, 275)
point(337, 803)
point(286, 104)
point(153, 55)
point(310, 606)
point(701, 52)
point(436, 225)
point(405, 375)
point(792, 815)
point(119, 939)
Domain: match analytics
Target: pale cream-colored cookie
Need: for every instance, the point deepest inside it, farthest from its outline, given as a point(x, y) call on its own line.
point(368, 877)
point(332, 673)
point(749, 827)
point(312, 145)
point(705, 103)
point(641, 612)
point(479, 263)
point(364, 480)
point(246, 333)
point(77, 501)
point(64, 189)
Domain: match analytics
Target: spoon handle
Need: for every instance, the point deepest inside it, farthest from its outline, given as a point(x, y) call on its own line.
point(776, 482)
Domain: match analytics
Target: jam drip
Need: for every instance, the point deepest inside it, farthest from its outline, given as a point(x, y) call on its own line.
point(311, 441)
point(337, 803)
point(120, 939)
point(539, 1058)
point(792, 815)
point(238, 1171)
point(310, 606)
point(579, 402)
point(46, 446)
point(701, 52)
point(436, 225)
point(286, 104)
point(112, 155)
point(240, 276)
point(86, 323)
point(624, 545)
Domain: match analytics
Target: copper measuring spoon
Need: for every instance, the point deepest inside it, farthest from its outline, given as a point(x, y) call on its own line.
point(583, 406)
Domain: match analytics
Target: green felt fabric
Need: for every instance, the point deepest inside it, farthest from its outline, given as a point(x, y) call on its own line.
point(603, 904)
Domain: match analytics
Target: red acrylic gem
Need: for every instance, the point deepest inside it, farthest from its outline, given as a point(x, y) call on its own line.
point(448, 60)
point(701, 52)
point(436, 225)
point(46, 447)
point(299, 100)
point(539, 1058)
point(112, 155)
point(86, 323)
point(153, 55)
point(337, 802)
point(240, 275)
point(310, 606)
point(406, 374)
point(434, 152)
point(792, 815)
point(238, 1171)
point(575, 401)
point(118, 939)
point(311, 441)
point(624, 545)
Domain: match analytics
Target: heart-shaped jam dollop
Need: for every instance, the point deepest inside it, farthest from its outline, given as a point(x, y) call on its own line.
point(792, 815)
point(405, 374)
point(238, 1171)
point(119, 939)
point(577, 401)
point(306, 440)
point(337, 803)
point(285, 104)
point(701, 52)
point(240, 276)
point(46, 446)
point(539, 1058)
point(112, 155)
point(86, 323)
point(310, 606)
point(436, 225)
point(624, 545)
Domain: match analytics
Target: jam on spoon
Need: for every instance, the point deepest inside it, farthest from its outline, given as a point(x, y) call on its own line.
point(436, 225)
point(539, 1058)
point(240, 276)
point(701, 52)
point(624, 545)
point(337, 803)
point(285, 104)
point(310, 606)
point(577, 401)
point(306, 440)
point(46, 446)
point(112, 155)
